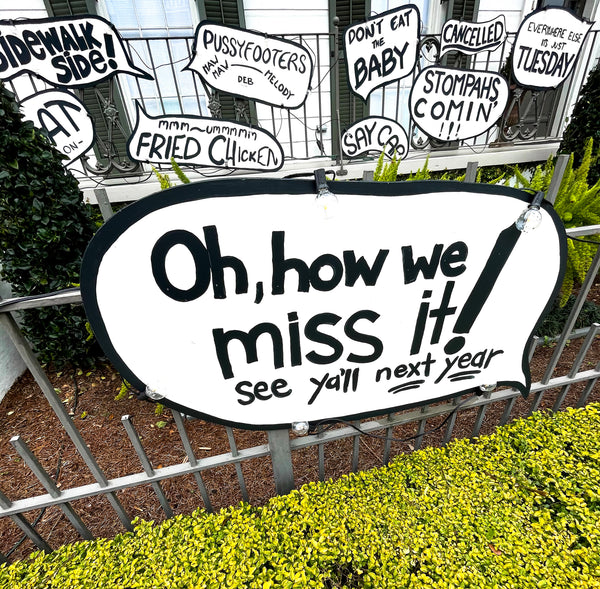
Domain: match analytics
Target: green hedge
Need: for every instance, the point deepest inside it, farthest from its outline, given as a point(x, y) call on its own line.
point(519, 508)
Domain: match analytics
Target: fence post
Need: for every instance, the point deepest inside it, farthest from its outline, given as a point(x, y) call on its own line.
point(471, 173)
point(103, 203)
point(557, 176)
point(281, 456)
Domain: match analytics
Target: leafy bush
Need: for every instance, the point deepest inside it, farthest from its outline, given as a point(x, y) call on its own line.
point(44, 230)
point(577, 204)
point(556, 319)
point(585, 123)
point(519, 508)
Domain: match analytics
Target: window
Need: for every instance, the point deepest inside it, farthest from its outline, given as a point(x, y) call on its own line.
point(158, 34)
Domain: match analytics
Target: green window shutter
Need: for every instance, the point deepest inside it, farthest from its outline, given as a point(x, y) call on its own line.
point(352, 107)
point(108, 140)
point(230, 13)
point(461, 10)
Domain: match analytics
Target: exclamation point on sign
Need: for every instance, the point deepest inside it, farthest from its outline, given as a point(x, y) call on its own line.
point(483, 287)
point(109, 44)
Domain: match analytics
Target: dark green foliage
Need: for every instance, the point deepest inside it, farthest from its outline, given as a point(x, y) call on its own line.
point(44, 229)
point(585, 123)
point(555, 321)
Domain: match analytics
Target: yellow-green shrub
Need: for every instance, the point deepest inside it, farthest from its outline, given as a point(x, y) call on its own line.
point(520, 508)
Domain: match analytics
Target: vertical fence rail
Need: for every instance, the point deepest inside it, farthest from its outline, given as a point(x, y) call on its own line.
point(192, 458)
point(146, 464)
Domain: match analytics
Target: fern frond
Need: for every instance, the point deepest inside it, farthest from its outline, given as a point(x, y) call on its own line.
point(379, 166)
point(179, 172)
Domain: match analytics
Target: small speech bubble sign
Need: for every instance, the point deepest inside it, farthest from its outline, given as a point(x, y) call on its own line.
point(382, 49)
point(211, 296)
point(451, 104)
point(374, 134)
point(64, 118)
point(547, 46)
point(252, 65)
point(75, 52)
point(203, 141)
point(472, 38)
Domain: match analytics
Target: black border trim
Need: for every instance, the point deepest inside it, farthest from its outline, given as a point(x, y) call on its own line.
point(525, 19)
point(375, 17)
point(111, 231)
point(58, 19)
point(261, 36)
point(140, 109)
point(489, 47)
point(76, 99)
point(455, 69)
point(375, 150)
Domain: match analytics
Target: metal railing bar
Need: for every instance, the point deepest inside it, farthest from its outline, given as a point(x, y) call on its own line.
point(174, 73)
point(281, 458)
point(421, 430)
point(160, 97)
point(355, 448)
point(26, 353)
point(172, 471)
point(238, 466)
point(187, 446)
point(581, 298)
point(587, 390)
point(583, 350)
point(479, 419)
point(24, 525)
point(580, 231)
point(65, 297)
point(508, 407)
point(319, 95)
point(50, 485)
point(557, 176)
point(134, 480)
point(198, 101)
point(146, 465)
point(388, 442)
point(451, 423)
point(321, 453)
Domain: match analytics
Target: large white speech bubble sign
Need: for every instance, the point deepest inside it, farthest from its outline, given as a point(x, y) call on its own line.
point(202, 141)
point(64, 118)
point(451, 104)
point(472, 37)
point(374, 134)
point(382, 49)
point(70, 51)
point(239, 301)
point(547, 46)
point(252, 65)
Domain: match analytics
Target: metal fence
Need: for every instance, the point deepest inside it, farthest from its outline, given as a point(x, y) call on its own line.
point(496, 407)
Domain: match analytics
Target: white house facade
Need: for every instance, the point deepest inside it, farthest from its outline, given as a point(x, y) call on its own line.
point(159, 36)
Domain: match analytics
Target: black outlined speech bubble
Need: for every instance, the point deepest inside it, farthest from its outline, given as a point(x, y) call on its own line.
point(252, 65)
point(382, 49)
point(240, 301)
point(64, 118)
point(74, 52)
point(203, 141)
point(451, 104)
point(375, 134)
point(547, 46)
point(471, 37)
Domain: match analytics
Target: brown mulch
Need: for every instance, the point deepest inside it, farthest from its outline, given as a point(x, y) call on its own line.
point(90, 398)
